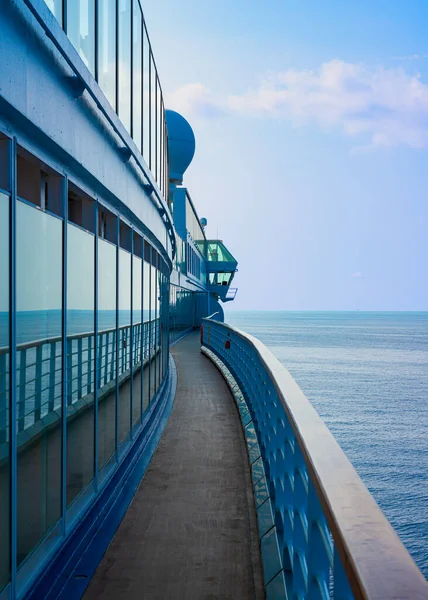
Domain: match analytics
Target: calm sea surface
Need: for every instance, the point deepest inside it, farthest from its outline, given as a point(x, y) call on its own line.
point(367, 376)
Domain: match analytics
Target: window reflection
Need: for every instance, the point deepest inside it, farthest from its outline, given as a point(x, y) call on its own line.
point(107, 49)
point(124, 343)
point(4, 391)
point(39, 398)
point(124, 87)
point(181, 311)
point(146, 97)
point(106, 359)
point(152, 116)
point(137, 82)
point(146, 333)
point(80, 360)
point(137, 318)
point(81, 29)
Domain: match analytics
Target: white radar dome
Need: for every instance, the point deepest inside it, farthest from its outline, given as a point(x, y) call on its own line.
point(181, 144)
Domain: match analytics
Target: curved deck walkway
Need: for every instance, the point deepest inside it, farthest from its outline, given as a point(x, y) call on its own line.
point(190, 531)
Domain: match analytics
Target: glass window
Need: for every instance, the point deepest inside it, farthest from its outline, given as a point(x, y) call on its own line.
point(124, 87)
point(4, 174)
point(137, 91)
point(4, 392)
point(37, 183)
point(158, 133)
point(152, 116)
point(106, 358)
point(81, 29)
point(153, 329)
point(107, 49)
point(146, 97)
point(193, 225)
point(146, 333)
point(80, 360)
point(124, 343)
point(137, 315)
point(158, 329)
point(55, 6)
point(39, 374)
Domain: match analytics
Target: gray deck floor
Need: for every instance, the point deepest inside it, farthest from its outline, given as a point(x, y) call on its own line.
point(190, 532)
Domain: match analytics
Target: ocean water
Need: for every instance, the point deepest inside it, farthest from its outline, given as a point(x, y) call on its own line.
point(367, 376)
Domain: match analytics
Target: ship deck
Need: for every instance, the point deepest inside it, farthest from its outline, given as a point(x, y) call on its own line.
point(191, 530)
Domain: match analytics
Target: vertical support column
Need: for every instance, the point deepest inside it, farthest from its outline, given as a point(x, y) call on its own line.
point(79, 366)
point(64, 383)
point(142, 334)
point(12, 368)
point(3, 388)
point(149, 387)
point(97, 351)
point(131, 18)
point(117, 337)
point(52, 375)
point(22, 389)
point(38, 384)
point(150, 108)
point(69, 372)
point(131, 350)
point(89, 367)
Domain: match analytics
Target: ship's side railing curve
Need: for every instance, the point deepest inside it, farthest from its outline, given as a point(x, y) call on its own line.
point(328, 537)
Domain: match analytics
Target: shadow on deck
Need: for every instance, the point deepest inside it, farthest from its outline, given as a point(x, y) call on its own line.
point(190, 531)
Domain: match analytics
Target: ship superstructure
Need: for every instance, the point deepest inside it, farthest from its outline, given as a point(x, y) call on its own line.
point(104, 265)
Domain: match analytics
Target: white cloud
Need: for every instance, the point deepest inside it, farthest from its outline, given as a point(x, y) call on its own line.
point(410, 57)
point(386, 105)
point(357, 275)
point(194, 99)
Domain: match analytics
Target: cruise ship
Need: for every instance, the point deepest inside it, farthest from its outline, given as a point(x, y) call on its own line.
point(147, 449)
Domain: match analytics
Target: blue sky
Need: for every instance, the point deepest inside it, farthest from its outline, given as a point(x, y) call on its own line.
point(311, 124)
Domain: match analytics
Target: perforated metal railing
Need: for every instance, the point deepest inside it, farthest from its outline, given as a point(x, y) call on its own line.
point(39, 369)
point(322, 535)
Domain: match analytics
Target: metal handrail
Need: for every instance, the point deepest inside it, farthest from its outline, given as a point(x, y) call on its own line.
point(74, 336)
point(214, 314)
point(375, 562)
point(38, 387)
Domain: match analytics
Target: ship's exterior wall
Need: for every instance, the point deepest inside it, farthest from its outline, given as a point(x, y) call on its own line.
point(95, 282)
point(85, 263)
point(38, 100)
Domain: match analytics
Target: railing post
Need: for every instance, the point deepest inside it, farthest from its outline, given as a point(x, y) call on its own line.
point(69, 346)
point(89, 367)
point(113, 354)
point(52, 376)
point(79, 367)
point(3, 398)
point(105, 337)
point(22, 388)
point(38, 383)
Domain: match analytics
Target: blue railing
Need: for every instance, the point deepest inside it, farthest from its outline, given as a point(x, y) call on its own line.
point(322, 535)
point(39, 371)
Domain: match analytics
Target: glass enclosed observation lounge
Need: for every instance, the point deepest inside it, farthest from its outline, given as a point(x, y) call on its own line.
point(221, 268)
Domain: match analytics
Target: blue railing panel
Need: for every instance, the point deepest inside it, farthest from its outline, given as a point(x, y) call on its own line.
point(314, 513)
